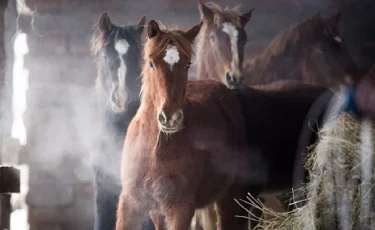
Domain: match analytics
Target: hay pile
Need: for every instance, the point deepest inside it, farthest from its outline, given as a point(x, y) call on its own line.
point(340, 192)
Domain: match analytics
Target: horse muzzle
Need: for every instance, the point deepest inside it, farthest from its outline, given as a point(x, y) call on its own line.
point(117, 102)
point(233, 82)
point(170, 124)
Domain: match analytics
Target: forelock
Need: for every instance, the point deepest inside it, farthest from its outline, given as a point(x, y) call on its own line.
point(159, 44)
point(231, 15)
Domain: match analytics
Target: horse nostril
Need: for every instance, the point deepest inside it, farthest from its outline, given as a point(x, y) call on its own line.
point(114, 97)
point(162, 119)
point(229, 78)
point(179, 117)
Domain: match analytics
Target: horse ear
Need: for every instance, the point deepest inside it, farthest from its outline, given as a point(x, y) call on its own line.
point(206, 13)
point(246, 17)
point(141, 25)
point(105, 23)
point(335, 19)
point(191, 33)
point(332, 25)
point(152, 29)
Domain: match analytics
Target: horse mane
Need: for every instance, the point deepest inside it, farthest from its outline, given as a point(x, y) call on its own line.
point(233, 14)
point(176, 37)
point(97, 42)
point(154, 47)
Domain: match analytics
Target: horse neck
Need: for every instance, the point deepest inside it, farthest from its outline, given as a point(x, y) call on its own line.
point(268, 66)
point(148, 102)
point(146, 118)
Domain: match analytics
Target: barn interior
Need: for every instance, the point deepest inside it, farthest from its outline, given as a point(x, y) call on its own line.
point(48, 99)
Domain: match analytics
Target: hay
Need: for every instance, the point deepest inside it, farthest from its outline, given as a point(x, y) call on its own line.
point(341, 181)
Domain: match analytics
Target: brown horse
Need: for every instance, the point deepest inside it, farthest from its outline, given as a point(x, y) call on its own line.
point(221, 44)
point(118, 52)
point(220, 53)
point(215, 49)
point(185, 148)
point(312, 51)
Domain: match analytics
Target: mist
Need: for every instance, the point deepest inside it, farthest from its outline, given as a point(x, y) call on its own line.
point(56, 114)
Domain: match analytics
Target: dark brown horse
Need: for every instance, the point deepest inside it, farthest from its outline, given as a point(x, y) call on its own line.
point(185, 148)
point(313, 51)
point(117, 51)
point(282, 119)
point(220, 53)
point(221, 44)
point(215, 50)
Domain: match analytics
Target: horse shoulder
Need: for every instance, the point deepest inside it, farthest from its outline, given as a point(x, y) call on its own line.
point(134, 157)
point(134, 143)
point(132, 132)
point(213, 94)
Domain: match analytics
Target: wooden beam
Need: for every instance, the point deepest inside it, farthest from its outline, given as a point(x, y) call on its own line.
point(6, 209)
point(3, 4)
point(9, 179)
point(9, 176)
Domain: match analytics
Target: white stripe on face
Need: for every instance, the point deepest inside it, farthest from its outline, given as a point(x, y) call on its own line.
point(230, 29)
point(122, 47)
point(171, 56)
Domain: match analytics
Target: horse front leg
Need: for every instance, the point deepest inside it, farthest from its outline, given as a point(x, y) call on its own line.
point(206, 218)
point(158, 219)
point(179, 217)
point(227, 210)
point(130, 215)
point(106, 200)
point(256, 213)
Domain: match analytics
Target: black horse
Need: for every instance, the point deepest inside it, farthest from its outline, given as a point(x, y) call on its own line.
point(117, 51)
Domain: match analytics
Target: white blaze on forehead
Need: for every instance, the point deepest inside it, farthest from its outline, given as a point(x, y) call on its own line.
point(232, 32)
point(171, 56)
point(338, 39)
point(122, 47)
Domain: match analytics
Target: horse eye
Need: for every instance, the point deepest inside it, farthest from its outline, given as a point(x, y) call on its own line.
point(324, 47)
point(213, 38)
point(151, 65)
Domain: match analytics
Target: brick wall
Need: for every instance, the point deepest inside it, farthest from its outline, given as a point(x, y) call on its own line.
point(60, 116)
